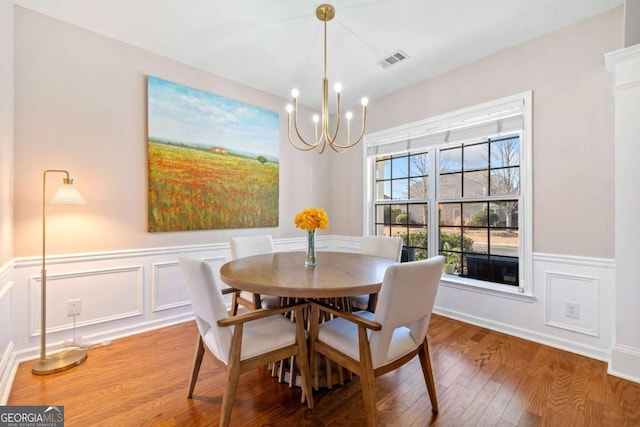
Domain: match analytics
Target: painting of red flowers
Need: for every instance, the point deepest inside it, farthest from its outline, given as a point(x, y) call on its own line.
point(213, 162)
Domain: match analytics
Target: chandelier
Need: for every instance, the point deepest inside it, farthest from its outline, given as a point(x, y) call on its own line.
point(324, 13)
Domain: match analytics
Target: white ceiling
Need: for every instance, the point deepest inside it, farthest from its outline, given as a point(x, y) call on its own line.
point(275, 45)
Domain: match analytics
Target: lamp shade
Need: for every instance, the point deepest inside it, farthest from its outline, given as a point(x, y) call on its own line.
point(67, 194)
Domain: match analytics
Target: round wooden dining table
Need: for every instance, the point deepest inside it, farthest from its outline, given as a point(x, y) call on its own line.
point(336, 277)
point(283, 274)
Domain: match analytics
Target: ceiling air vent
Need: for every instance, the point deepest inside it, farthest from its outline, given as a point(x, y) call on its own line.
point(394, 58)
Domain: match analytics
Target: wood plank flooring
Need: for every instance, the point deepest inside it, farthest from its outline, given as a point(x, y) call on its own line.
point(483, 378)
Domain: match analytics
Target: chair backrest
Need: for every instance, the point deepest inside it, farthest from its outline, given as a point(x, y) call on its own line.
point(251, 245)
point(382, 246)
point(406, 299)
point(208, 306)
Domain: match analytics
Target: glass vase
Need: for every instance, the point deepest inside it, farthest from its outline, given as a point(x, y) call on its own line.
point(311, 248)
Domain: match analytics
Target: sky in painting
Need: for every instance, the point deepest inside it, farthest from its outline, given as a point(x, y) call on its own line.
point(184, 114)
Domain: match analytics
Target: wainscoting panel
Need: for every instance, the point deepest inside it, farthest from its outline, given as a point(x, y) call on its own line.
point(105, 295)
point(168, 286)
point(7, 356)
point(557, 279)
point(572, 303)
point(124, 293)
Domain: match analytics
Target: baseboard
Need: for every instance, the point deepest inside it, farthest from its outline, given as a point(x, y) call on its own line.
point(567, 345)
point(625, 363)
point(111, 334)
point(8, 368)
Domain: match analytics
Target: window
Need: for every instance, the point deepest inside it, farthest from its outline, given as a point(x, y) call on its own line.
point(401, 201)
point(458, 185)
point(478, 209)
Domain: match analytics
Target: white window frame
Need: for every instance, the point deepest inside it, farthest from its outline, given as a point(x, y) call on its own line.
point(434, 132)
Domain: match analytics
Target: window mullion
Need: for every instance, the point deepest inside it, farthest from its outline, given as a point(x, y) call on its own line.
point(432, 226)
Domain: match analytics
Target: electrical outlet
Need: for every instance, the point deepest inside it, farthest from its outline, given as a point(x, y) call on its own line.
point(572, 310)
point(74, 307)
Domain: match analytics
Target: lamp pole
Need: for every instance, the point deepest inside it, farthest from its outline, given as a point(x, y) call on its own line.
point(66, 194)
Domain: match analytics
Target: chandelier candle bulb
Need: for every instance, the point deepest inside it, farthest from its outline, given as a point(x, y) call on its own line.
point(325, 13)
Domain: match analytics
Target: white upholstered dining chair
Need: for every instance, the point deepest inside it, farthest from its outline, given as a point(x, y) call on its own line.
point(383, 247)
point(372, 344)
point(248, 246)
point(240, 343)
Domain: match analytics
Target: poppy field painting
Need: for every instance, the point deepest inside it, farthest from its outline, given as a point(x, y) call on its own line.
point(213, 163)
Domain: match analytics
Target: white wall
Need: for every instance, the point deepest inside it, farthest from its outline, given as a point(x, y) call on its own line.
point(81, 106)
point(6, 197)
point(6, 131)
point(572, 129)
point(631, 22)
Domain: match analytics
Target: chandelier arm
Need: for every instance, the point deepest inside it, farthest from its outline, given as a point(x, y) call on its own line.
point(297, 147)
point(335, 134)
point(351, 144)
point(309, 147)
point(324, 145)
point(336, 149)
point(300, 148)
point(295, 125)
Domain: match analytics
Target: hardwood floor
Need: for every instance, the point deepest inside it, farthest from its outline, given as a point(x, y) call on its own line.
point(483, 378)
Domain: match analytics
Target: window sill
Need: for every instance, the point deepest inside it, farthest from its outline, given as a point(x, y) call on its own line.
point(487, 288)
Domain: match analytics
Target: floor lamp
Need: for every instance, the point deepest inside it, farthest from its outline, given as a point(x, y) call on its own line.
point(67, 195)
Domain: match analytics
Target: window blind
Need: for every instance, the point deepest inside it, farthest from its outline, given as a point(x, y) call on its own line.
point(453, 134)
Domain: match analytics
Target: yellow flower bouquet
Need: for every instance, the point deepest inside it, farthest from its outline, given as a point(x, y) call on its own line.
point(311, 219)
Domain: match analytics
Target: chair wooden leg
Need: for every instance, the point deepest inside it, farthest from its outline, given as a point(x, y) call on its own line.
point(292, 371)
point(281, 369)
point(197, 361)
point(373, 301)
point(425, 361)
point(257, 302)
point(313, 336)
point(367, 378)
point(233, 374)
point(367, 381)
point(234, 304)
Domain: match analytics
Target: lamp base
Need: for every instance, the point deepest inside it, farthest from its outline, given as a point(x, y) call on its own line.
point(59, 362)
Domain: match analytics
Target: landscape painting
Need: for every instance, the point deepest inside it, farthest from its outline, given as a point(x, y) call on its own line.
point(213, 163)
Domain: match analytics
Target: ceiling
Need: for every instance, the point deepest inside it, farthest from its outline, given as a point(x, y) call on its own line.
point(276, 45)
